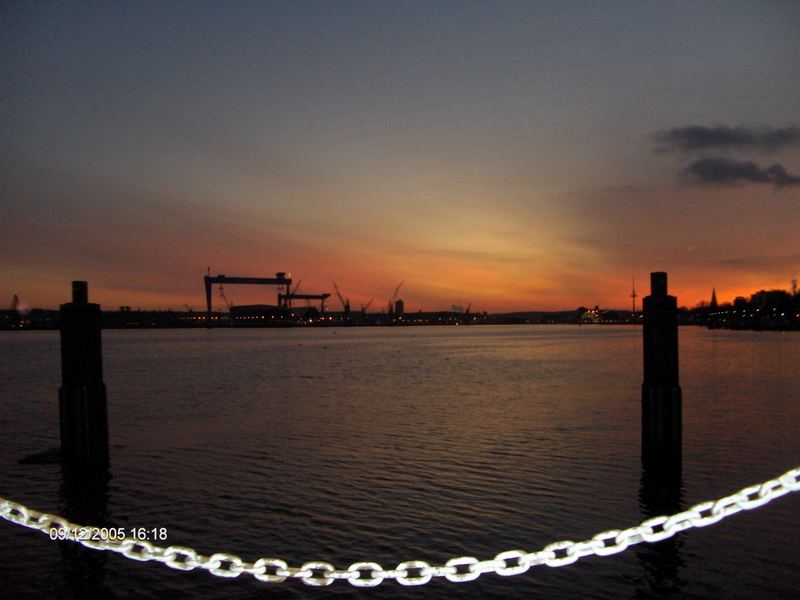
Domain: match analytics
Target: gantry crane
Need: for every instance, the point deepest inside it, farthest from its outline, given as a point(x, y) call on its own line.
point(286, 299)
point(290, 296)
point(281, 279)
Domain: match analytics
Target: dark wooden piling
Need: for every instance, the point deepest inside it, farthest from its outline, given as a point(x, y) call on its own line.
point(661, 392)
point(82, 396)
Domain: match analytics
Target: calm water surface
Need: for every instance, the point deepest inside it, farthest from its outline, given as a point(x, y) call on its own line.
point(409, 443)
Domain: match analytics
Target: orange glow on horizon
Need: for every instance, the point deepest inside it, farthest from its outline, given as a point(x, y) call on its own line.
point(468, 284)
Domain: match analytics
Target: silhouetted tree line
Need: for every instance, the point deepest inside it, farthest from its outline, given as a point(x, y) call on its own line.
point(765, 310)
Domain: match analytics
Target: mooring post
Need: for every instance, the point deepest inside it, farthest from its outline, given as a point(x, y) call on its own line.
point(661, 392)
point(82, 396)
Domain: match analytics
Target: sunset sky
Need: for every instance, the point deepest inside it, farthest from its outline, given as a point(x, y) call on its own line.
point(511, 155)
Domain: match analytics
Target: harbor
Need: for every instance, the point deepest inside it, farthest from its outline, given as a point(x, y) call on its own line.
point(347, 444)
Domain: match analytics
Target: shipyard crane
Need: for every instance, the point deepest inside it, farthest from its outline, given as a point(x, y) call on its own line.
point(364, 307)
point(345, 303)
point(394, 297)
point(292, 294)
point(287, 298)
point(228, 303)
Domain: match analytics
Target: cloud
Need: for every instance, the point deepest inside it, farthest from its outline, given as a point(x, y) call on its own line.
point(779, 262)
point(722, 137)
point(780, 177)
point(723, 171)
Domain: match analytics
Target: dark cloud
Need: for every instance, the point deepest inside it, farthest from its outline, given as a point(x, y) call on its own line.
point(780, 177)
point(757, 261)
point(723, 171)
point(721, 137)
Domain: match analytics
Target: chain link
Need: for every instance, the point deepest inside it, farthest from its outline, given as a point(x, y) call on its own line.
point(417, 572)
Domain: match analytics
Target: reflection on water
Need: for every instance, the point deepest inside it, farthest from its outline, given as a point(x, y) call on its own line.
point(84, 493)
point(662, 563)
point(408, 443)
point(84, 496)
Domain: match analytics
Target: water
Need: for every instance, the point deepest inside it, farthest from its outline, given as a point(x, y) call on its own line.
point(393, 444)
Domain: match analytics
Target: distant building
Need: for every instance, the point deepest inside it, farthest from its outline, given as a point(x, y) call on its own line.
point(713, 305)
point(265, 315)
point(399, 308)
point(599, 315)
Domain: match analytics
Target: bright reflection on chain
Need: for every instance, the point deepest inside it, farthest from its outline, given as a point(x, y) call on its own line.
point(416, 572)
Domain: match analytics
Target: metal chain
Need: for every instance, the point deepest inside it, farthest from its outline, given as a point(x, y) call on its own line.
point(418, 572)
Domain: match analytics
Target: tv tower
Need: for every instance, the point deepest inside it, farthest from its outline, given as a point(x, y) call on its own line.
point(634, 295)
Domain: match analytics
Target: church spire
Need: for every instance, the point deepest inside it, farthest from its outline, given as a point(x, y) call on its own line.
point(714, 304)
